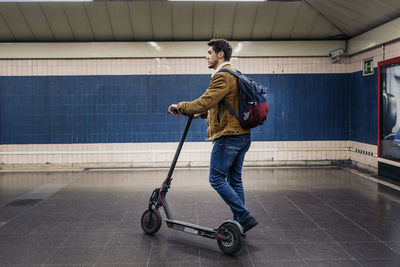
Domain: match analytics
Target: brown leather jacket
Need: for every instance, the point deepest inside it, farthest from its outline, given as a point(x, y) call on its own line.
point(219, 120)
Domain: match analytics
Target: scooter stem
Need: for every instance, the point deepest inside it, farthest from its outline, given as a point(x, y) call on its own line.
point(166, 184)
point(178, 150)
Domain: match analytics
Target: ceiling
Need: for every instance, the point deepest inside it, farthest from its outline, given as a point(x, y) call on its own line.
point(108, 21)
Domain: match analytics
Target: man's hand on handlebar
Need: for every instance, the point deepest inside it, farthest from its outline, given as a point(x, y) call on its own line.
point(173, 109)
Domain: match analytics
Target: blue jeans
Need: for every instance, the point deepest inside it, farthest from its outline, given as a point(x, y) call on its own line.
point(226, 164)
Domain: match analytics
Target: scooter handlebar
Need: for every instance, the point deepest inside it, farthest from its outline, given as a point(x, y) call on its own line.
point(175, 111)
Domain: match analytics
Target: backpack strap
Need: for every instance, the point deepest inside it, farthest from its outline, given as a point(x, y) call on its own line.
point(236, 73)
point(230, 109)
point(222, 101)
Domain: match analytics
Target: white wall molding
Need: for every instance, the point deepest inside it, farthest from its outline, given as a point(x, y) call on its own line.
point(375, 37)
point(163, 49)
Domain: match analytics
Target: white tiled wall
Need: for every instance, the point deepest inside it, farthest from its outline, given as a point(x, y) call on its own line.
point(193, 153)
point(49, 67)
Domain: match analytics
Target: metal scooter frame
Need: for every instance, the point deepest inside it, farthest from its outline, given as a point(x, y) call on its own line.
point(158, 199)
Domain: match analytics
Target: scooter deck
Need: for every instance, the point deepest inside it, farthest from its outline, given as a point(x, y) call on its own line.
point(189, 227)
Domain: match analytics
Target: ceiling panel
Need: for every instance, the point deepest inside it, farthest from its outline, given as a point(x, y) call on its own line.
point(100, 21)
point(335, 34)
point(351, 9)
point(345, 19)
point(321, 28)
point(264, 21)
point(223, 20)
point(141, 20)
point(304, 23)
point(5, 32)
point(394, 4)
point(162, 21)
point(79, 21)
point(120, 19)
point(372, 13)
point(37, 21)
point(16, 22)
point(375, 7)
point(286, 18)
point(58, 21)
point(203, 20)
point(182, 21)
point(244, 21)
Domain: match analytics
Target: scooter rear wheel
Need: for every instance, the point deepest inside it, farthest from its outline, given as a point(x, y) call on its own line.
point(151, 221)
point(235, 239)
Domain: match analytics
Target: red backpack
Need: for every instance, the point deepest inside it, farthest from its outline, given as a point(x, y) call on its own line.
point(253, 105)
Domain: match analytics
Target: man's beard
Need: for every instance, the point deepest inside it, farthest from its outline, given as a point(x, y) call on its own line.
point(212, 64)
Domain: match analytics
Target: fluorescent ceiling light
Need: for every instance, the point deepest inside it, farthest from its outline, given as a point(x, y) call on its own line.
point(238, 48)
point(26, 1)
point(155, 45)
point(217, 0)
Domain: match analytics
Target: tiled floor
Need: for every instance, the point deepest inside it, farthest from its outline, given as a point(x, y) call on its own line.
point(307, 216)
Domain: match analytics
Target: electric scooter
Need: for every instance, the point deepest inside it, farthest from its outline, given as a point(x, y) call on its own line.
point(229, 235)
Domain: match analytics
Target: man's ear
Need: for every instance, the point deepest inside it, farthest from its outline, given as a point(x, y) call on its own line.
point(221, 54)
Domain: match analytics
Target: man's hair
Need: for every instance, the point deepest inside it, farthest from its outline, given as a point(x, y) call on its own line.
point(221, 45)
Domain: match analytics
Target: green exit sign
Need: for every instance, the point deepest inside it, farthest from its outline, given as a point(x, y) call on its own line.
point(368, 66)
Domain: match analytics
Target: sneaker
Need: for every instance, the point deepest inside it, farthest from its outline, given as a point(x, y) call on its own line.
point(248, 224)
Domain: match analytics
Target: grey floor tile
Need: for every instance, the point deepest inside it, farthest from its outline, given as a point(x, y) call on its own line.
point(280, 263)
point(44, 240)
point(93, 227)
point(11, 240)
point(75, 256)
point(9, 212)
point(332, 263)
point(210, 255)
point(350, 234)
point(380, 262)
point(174, 254)
point(321, 251)
point(130, 240)
point(384, 232)
point(105, 216)
point(131, 226)
point(295, 223)
point(27, 255)
point(121, 265)
point(18, 226)
point(171, 237)
point(87, 240)
point(175, 264)
point(125, 255)
point(266, 251)
point(370, 250)
point(4, 249)
point(54, 228)
point(65, 216)
point(95, 220)
point(333, 221)
point(307, 236)
point(394, 245)
point(261, 236)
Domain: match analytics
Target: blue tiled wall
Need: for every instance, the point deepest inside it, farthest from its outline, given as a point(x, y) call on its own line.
point(101, 109)
point(363, 108)
point(305, 107)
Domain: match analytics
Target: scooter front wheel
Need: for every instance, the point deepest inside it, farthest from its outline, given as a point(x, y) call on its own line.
point(234, 241)
point(151, 221)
